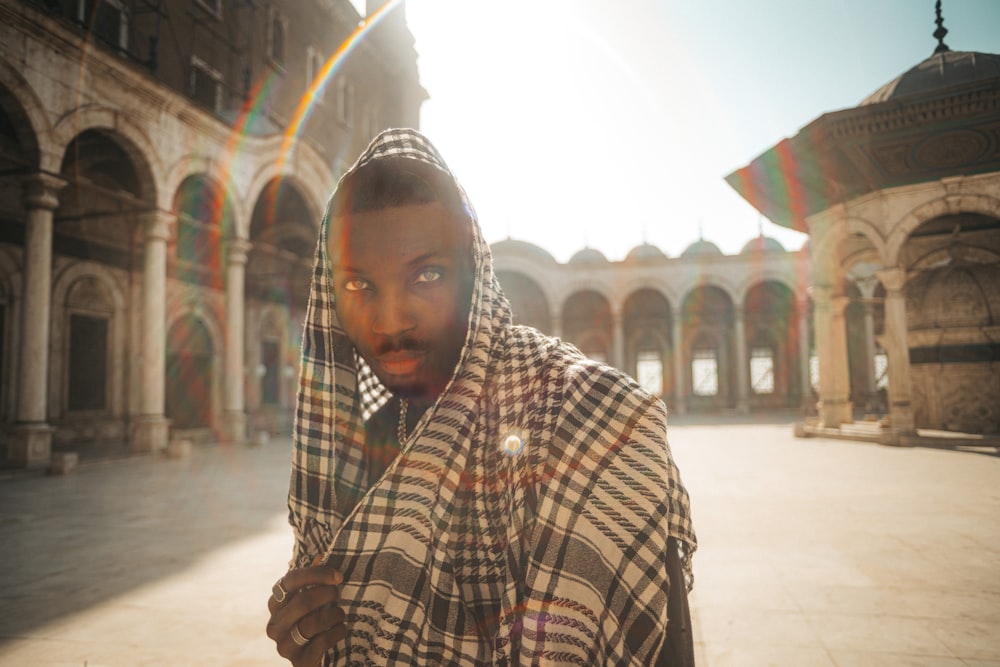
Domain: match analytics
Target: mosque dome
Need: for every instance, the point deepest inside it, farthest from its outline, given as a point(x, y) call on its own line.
point(942, 70)
point(645, 251)
point(702, 248)
point(588, 256)
point(762, 244)
point(523, 249)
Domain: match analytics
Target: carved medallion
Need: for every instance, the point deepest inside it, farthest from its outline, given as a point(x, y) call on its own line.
point(950, 149)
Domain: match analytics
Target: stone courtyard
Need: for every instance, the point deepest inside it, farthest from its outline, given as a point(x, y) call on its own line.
point(812, 552)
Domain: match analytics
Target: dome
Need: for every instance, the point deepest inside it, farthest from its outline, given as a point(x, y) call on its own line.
point(702, 248)
point(940, 71)
point(643, 252)
point(762, 244)
point(522, 248)
point(588, 256)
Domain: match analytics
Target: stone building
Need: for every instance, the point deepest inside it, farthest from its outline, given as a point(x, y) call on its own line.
point(901, 199)
point(163, 168)
point(705, 331)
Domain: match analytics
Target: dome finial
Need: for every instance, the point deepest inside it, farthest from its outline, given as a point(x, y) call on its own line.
point(941, 30)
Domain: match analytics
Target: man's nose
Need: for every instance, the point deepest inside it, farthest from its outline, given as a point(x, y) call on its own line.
point(393, 315)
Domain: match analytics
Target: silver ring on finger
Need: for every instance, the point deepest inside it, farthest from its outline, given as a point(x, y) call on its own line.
point(298, 637)
point(278, 592)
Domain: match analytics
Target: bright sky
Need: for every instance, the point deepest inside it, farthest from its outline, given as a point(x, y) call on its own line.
point(588, 122)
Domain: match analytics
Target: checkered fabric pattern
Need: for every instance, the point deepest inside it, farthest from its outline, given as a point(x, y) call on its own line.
point(525, 520)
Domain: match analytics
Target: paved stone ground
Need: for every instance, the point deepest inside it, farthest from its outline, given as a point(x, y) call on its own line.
point(813, 552)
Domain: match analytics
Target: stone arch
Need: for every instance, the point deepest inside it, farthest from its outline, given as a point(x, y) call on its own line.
point(865, 228)
point(692, 283)
point(204, 166)
point(707, 323)
point(312, 194)
point(108, 193)
point(528, 301)
point(19, 100)
point(947, 205)
point(755, 278)
point(282, 210)
point(647, 322)
point(586, 322)
point(204, 227)
point(504, 262)
point(121, 129)
point(576, 284)
point(89, 303)
point(660, 282)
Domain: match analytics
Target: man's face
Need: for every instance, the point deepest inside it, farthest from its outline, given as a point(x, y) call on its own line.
point(402, 280)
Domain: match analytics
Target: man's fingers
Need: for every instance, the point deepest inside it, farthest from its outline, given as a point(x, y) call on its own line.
point(304, 603)
point(310, 576)
point(288, 585)
point(321, 620)
point(317, 647)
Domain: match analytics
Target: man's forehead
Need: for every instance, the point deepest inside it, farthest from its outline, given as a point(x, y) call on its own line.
point(429, 222)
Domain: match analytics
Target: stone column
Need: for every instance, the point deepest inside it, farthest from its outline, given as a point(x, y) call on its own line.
point(898, 352)
point(742, 371)
point(556, 326)
point(235, 408)
point(151, 428)
point(30, 442)
point(804, 379)
point(680, 406)
point(870, 351)
point(617, 340)
point(831, 346)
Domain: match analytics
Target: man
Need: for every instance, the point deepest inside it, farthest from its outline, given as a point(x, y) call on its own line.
point(465, 491)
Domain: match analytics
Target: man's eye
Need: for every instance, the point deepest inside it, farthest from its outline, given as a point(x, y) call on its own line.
point(429, 276)
point(355, 285)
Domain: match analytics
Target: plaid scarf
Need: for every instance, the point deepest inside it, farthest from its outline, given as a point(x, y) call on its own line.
point(525, 520)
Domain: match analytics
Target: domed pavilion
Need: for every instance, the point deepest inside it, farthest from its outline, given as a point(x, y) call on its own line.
point(901, 199)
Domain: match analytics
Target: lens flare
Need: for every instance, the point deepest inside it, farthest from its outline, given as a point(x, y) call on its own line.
point(512, 444)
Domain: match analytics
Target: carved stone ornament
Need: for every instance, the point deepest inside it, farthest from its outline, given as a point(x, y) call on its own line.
point(951, 149)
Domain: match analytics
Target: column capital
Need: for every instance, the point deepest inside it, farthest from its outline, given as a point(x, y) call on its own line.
point(238, 249)
point(822, 295)
point(158, 224)
point(892, 279)
point(41, 190)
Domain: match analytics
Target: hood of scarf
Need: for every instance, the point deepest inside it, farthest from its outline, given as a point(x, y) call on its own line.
point(538, 482)
point(338, 391)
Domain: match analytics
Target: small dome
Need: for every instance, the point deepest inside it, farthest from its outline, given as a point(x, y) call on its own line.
point(702, 248)
point(762, 244)
point(643, 252)
point(588, 256)
point(940, 71)
point(522, 248)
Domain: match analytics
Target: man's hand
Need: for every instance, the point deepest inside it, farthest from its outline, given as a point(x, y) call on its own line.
point(306, 620)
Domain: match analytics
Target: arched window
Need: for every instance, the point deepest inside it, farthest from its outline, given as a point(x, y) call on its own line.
point(705, 371)
point(189, 374)
point(762, 370)
point(89, 309)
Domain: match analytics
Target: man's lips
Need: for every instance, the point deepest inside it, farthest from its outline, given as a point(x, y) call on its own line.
point(400, 362)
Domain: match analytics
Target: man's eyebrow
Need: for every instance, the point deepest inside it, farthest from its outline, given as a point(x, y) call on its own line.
point(346, 268)
point(427, 256)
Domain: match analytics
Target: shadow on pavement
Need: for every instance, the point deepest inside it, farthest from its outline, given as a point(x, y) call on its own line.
point(72, 542)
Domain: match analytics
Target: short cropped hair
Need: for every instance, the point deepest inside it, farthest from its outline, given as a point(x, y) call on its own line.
point(391, 182)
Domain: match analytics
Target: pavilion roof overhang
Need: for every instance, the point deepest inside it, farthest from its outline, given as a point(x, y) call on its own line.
point(846, 154)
